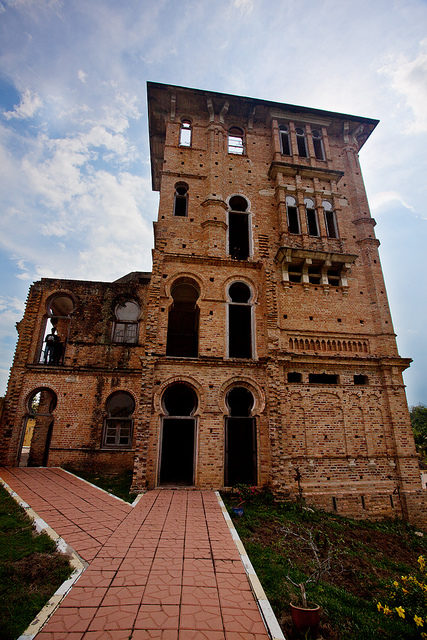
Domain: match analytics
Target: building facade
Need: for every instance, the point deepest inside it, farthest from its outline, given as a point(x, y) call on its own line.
point(259, 350)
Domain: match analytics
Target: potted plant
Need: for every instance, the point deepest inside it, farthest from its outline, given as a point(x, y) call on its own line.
point(306, 615)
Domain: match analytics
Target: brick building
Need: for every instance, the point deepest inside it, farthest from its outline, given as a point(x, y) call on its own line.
point(260, 349)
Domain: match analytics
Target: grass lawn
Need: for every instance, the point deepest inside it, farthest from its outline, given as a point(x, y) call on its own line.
point(30, 569)
point(118, 485)
point(366, 557)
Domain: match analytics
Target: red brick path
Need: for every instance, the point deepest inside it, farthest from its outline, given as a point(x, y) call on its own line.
point(167, 568)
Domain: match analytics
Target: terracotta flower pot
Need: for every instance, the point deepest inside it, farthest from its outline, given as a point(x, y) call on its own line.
point(306, 619)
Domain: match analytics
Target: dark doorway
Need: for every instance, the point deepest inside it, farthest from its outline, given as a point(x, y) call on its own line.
point(240, 439)
point(178, 436)
point(238, 228)
point(239, 321)
point(183, 321)
point(38, 427)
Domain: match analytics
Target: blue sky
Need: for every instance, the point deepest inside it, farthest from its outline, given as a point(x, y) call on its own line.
point(75, 193)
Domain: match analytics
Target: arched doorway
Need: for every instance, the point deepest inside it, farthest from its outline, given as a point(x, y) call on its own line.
point(240, 439)
point(60, 307)
point(178, 435)
point(37, 432)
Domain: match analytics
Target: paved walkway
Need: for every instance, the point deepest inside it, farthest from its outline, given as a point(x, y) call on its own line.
point(167, 568)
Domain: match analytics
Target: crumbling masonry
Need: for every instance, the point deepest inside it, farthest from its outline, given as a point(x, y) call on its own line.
point(259, 350)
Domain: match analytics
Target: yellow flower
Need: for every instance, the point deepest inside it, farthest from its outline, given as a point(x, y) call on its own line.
point(387, 610)
point(405, 591)
point(404, 578)
point(395, 583)
point(418, 621)
point(422, 563)
point(379, 606)
point(400, 612)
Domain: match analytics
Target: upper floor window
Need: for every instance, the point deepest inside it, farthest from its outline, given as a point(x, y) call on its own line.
point(238, 228)
point(330, 220)
point(292, 215)
point(118, 425)
point(239, 321)
point(319, 150)
point(185, 134)
point(312, 224)
point(59, 309)
point(236, 141)
point(180, 206)
point(301, 143)
point(125, 327)
point(183, 319)
point(285, 143)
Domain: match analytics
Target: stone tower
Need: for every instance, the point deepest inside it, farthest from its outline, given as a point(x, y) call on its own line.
point(260, 350)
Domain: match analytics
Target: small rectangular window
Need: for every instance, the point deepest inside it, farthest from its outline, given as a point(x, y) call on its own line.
point(313, 228)
point(294, 376)
point(323, 378)
point(118, 432)
point(334, 277)
point(314, 275)
point(360, 379)
point(331, 225)
point(284, 141)
point(293, 220)
point(295, 272)
point(301, 143)
point(125, 332)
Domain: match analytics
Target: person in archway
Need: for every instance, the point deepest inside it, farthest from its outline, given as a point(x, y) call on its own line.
point(53, 349)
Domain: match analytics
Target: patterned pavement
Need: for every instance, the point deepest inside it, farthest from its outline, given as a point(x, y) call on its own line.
point(167, 568)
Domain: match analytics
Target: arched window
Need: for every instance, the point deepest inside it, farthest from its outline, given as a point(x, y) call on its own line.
point(180, 205)
point(301, 142)
point(185, 133)
point(312, 224)
point(37, 433)
point(183, 320)
point(319, 150)
point(178, 435)
point(238, 228)
point(330, 219)
point(59, 309)
point(240, 438)
point(292, 215)
point(285, 143)
point(236, 141)
point(118, 427)
point(125, 328)
point(240, 321)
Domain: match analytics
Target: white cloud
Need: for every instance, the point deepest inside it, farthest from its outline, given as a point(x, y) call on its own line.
point(245, 6)
point(30, 103)
point(384, 198)
point(409, 78)
point(82, 76)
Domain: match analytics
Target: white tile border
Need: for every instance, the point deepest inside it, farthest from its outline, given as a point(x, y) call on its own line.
point(270, 619)
point(78, 564)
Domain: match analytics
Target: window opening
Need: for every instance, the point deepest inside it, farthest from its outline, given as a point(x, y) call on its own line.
point(178, 435)
point(180, 207)
point(314, 274)
point(294, 376)
point(334, 276)
point(183, 320)
point(312, 225)
point(240, 438)
point(292, 215)
point(59, 310)
point(38, 427)
point(285, 143)
point(295, 272)
point(185, 134)
point(360, 379)
point(118, 427)
point(323, 378)
point(239, 321)
point(330, 220)
point(235, 141)
point(319, 151)
point(301, 143)
point(125, 327)
point(238, 228)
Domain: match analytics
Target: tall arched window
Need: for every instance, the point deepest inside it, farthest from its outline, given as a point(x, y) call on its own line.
point(292, 215)
point(240, 438)
point(285, 143)
point(330, 220)
point(118, 427)
point(178, 435)
point(180, 205)
point(312, 224)
point(125, 328)
point(240, 339)
point(235, 141)
point(319, 150)
point(183, 320)
point(185, 133)
point(59, 309)
point(238, 228)
point(301, 142)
